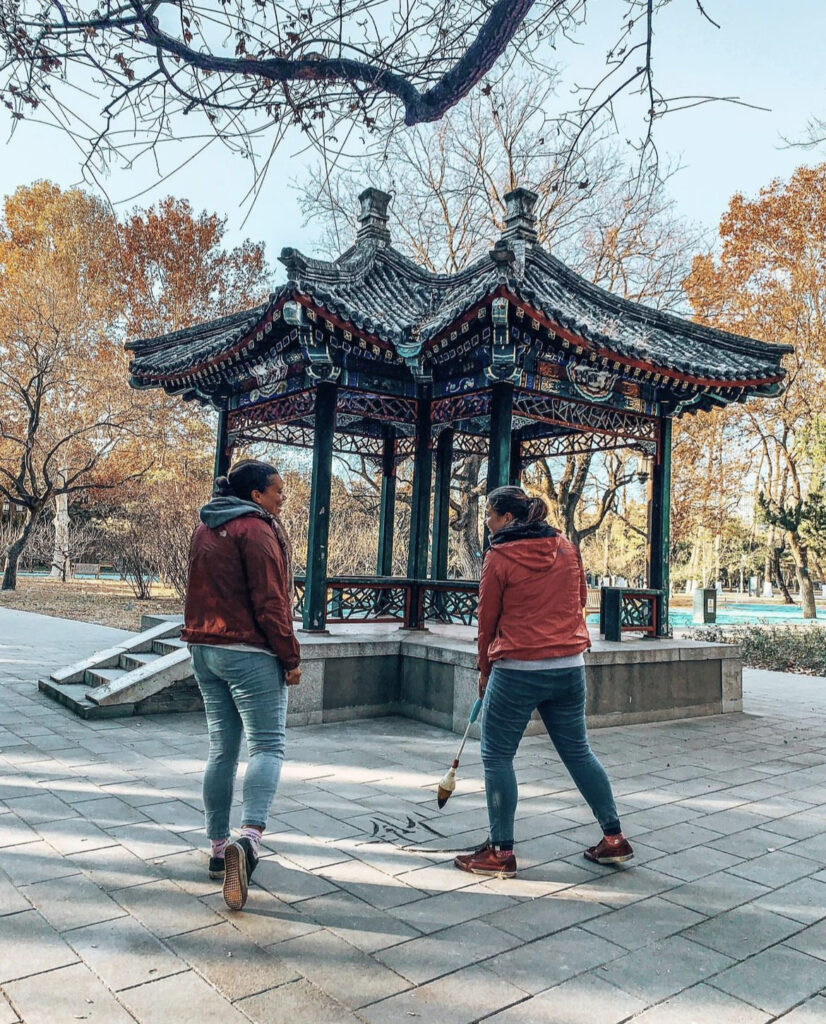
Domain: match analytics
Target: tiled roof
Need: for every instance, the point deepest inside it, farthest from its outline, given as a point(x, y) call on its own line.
point(380, 292)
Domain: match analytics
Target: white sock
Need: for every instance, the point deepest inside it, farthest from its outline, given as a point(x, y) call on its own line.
point(218, 847)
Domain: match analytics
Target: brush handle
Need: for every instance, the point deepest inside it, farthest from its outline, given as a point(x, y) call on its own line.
point(474, 714)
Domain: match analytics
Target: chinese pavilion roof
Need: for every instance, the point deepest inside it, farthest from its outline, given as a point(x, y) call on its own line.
point(375, 302)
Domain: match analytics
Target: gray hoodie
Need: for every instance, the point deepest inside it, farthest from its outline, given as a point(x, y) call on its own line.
point(220, 510)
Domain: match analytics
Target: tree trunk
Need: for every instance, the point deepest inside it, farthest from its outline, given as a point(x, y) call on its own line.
point(466, 524)
point(778, 575)
point(61, 556)
point(800, 554)
point(15, 550)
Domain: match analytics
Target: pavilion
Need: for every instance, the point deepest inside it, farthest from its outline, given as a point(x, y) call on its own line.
point(515, 357)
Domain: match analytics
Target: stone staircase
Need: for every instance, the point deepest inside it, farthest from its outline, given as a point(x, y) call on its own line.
point(148, 673)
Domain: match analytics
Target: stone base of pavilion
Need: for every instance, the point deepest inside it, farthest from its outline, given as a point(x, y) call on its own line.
point(378, 669)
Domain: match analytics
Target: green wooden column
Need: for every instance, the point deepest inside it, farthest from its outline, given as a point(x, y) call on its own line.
point(315, 597)
point(387, 512)
point(223, 452)
point(501, 424)
point(441, 505)
point(515, 473)
point(420, 498)
point(659, 529)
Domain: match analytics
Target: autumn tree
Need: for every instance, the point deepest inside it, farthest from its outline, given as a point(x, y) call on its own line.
point(63, 409)
point(449, 182)
point(74, 284)
point(769, 282)
point(250, 70)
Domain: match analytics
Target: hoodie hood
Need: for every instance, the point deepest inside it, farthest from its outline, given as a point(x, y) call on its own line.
point(220, 510)
point(533, 546)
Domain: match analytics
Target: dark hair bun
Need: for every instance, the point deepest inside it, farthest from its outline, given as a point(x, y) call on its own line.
point(221, 487)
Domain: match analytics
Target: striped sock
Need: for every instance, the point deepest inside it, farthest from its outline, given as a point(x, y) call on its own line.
point(218, 847)
point(254, 836)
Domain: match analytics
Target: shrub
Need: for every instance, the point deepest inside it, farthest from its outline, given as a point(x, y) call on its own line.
point(780, 648)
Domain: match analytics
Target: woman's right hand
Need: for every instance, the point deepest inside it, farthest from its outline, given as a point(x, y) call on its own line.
point(292, 677)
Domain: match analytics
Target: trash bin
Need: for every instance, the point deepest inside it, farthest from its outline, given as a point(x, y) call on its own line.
point(705, 606)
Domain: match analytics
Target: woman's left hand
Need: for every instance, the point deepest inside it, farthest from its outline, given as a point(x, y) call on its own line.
point(483, 684)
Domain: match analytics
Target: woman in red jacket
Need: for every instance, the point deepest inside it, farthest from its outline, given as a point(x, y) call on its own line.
point(239, 626)
point(532, 636)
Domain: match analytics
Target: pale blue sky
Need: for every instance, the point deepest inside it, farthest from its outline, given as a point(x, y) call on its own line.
point(767, 58)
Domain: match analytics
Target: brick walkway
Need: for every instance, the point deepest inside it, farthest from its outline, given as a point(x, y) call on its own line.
point(107, 914)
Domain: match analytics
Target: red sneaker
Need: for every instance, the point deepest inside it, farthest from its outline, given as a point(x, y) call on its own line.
point(487, 861)
point(608, 853)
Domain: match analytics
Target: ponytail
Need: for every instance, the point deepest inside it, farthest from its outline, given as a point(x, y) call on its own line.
point(521, 506)
point(243, 478)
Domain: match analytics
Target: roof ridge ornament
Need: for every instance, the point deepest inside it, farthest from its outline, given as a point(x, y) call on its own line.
point(520, 219)
point(503, 258)
point(373, 216)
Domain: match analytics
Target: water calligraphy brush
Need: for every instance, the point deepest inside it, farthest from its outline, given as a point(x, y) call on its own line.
point(448, 783)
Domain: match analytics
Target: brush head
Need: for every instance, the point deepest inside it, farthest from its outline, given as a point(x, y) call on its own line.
point(442, 796)
point(446, 786)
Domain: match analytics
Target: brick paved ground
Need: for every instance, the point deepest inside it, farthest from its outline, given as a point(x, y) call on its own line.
point(108, 916)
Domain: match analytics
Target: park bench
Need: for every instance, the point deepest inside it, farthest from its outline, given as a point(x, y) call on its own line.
point(86, 569)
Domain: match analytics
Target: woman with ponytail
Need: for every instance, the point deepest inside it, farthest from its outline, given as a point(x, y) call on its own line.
point(238, 622)
point(532, 636)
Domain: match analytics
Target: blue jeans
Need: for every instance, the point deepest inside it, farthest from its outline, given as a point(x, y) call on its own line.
point(243, 691)
point(559, 695)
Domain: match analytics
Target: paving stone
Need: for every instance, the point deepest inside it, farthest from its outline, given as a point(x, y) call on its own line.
point(549, 961)
point(231, 962)
point(299, 1002)
point(75, 835)
point(72, 902)
point(810, 940)
point(290, 884)
point(775, 869)
point(15, 832)
point(774, 980)
point(357, 922)
point(68, 994)
point(123, 953)
point(113, 867)
point(751, 843)
point(182, 997)
point(743, 931)
point(581, 1000)
point(803, 900)
point(12, 901)
point(431, 956)
point(164, 908)
point(267, 922)
point(664, 968)
point(42, 808)
point(339, 969)
point(702, 1004)
point(534, 919)
point(459, 998)
point(109, 811)
point(813, 1011)
point(31, 946)
point(619, 886)
point(369, 884)
point(642, 923)
point(148, 840)
point(715, 893)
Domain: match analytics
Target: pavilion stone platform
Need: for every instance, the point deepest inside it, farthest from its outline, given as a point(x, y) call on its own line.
point(378, 669)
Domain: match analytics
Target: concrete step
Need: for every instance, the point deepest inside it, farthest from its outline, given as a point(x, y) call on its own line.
point(73, 696)
point(167, 646)
point(144, 682)
point(131, 661)
point(110, 658)
point(101, 676)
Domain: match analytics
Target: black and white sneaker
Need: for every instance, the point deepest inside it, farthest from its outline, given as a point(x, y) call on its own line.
point(216, 868)
point(240, 861)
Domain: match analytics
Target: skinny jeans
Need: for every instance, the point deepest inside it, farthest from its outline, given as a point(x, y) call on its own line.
point(559, 695)
point(244, 694)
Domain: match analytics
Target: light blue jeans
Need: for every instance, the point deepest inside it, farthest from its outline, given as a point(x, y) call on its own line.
point(244, 692)
point(559, 695)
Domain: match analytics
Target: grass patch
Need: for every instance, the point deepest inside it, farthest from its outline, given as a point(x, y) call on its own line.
point(106, 602)
point(800, 649)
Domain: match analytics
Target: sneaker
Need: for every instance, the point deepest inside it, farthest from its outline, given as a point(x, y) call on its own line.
point(487, 861)
point(240, 861)
point(216, 868)
point(605, 853)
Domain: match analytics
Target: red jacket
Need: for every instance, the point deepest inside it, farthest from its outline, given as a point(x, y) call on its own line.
point(237, 589)
point(531, 599)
